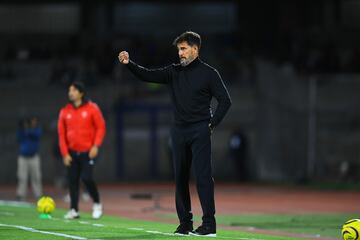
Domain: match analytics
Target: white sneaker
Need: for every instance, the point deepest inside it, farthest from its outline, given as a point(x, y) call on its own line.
point(85, 197)
point(67, 198)
point(97, 210)
point(72, 214)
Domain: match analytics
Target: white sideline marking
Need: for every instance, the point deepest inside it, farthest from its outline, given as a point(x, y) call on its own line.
point(15, 204)
point(171, 234)
point(83, 222)
point(238, 238)
point(98, 225)
point(7, 213)
point(43, 232)
point(154, 232)
point(25, 204)
point(136, 229)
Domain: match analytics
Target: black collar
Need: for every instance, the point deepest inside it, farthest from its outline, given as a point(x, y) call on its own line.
point(194, 63)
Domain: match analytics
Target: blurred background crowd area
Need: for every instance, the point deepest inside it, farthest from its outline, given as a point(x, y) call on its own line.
point(292, 69)
point(81, 40)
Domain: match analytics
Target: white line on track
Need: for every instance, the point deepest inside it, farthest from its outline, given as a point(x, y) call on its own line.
point(15, 204)
point(171, 234)
point(83, 222)
point(164, 233)
point(98, 225)
point(24, 204)
point(154, 232)
point(28, 229)
point(7, 213)
point(136, 229)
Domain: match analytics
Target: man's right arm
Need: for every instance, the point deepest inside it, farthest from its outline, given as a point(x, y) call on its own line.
point(62, 140)
point(62, 135)
point(159, 75)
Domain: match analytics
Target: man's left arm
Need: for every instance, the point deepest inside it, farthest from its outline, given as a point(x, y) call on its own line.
point(100, 130)
point(221, 94)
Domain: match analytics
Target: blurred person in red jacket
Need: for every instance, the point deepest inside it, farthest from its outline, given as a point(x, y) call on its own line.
point(81, 129)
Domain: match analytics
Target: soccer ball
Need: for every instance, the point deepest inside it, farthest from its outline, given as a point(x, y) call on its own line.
point(351, 229)
point(46, 205)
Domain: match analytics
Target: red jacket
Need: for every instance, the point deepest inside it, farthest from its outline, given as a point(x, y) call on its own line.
point(80, 128)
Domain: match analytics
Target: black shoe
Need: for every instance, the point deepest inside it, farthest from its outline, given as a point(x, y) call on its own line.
point(184, 229)
point(205, 230)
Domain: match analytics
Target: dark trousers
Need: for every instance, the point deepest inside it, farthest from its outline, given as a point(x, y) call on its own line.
point(81, 167)
point(191, 145)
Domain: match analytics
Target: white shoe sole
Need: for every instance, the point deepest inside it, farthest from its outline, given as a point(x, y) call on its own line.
point(207, 235)
point(97, 217)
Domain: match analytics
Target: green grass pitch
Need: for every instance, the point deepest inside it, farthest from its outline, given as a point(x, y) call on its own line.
point(22, 222)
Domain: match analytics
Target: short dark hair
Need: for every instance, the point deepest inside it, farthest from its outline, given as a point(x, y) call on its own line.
point(80, 87)
point(192, 38)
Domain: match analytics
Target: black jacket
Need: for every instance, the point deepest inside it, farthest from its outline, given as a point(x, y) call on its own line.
point(192, 88)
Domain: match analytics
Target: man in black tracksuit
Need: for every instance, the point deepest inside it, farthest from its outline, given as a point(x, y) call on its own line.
point(192, 84)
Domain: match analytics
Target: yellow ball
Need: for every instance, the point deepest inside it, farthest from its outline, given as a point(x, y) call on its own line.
point(351, 230)
point(46, 205)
